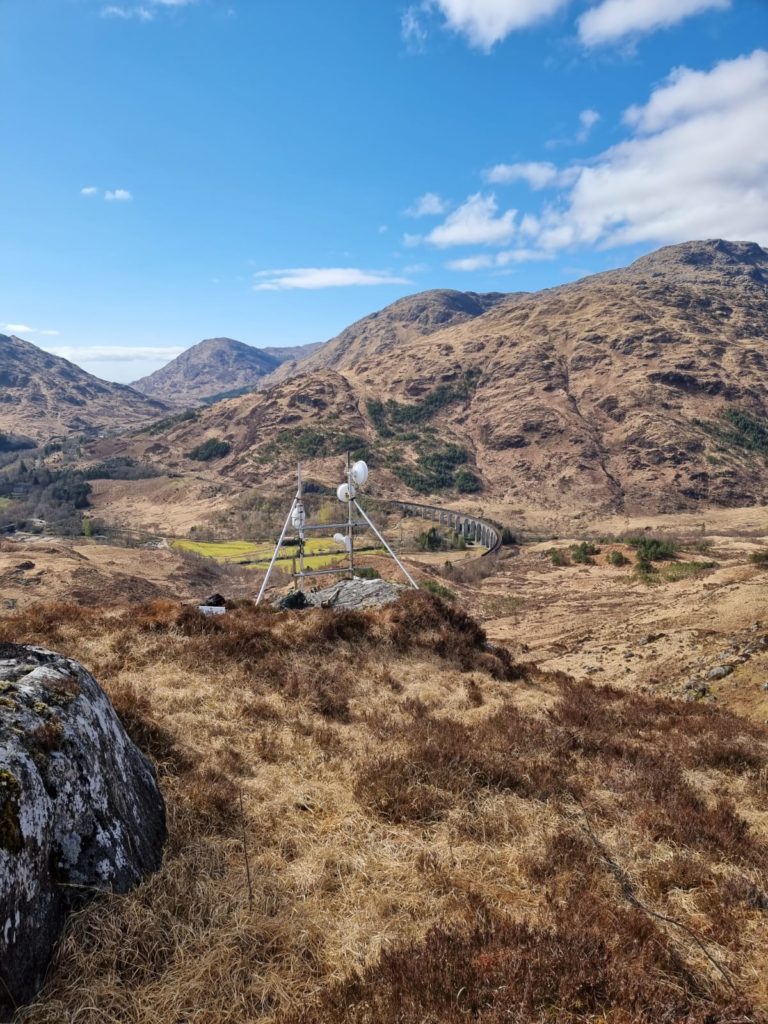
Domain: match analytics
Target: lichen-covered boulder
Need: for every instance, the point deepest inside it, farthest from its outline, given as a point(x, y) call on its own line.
point(357, 594)
point(80, 808)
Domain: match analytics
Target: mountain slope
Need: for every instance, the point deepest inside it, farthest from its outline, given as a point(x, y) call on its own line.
point(638, 390)
point(391, 329)
point(216, 366)
point(208, 368)
point(42, 395)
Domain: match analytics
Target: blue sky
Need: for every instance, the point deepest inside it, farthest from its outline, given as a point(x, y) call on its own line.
point(271, 170)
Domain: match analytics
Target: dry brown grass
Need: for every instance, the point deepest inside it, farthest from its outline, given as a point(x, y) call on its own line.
point(435, 835)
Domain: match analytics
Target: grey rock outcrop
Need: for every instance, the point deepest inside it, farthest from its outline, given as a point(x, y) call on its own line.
point(355, 594)
point(80, 808)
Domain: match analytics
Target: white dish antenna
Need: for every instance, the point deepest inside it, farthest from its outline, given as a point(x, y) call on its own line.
point(359, 473)
point(298, 517)
point(346, 492)
point(346, 542)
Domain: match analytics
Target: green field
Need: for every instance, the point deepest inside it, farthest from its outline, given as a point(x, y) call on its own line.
point(319, 552)
point(5, 502)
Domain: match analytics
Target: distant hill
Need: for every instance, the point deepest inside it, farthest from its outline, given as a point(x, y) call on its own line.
point(42, 395)
point(638, 390)
point(215, 368)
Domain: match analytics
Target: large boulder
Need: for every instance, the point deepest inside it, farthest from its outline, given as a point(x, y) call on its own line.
point(80, 808)
point(356, 594)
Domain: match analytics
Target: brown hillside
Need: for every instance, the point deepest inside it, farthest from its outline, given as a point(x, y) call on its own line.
point(42, 395)
point(213, 367)
point(434, 833)
point(639, 390)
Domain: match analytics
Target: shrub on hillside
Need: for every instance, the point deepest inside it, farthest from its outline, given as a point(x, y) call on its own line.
point(581, 554)
point(213, 448)
point(653, 549)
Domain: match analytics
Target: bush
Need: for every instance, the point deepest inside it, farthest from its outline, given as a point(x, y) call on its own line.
point(435, 540)
point(759, 557)
point(618, 558)
point(653, 549)
point(121, 467)
point(213, 448)
point(466, 482)
point(438, 589)
point(558, 556)
point(367, 572)
point(160, 426)
point(439, 470)
point(15, 443)
point(581, 554)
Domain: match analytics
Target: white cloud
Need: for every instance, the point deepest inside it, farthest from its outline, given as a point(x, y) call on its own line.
point(89, 190)
point(470, 263)
point(126, 13)
point(615, 19)
point(485, 22)
point(20, 329)
point(141, 12)
point(538, 175)
point(321, 277)
point(383, 229)
point(428, 205)
point(695, 167)
point(85, 354)
point(501, 259)
point(118, 195)
point(475, 222)
point(412, 240)
point(587, 119)
point(412, 28)
point(688, 94)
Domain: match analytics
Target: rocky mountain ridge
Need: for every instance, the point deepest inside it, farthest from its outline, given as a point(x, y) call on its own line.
point(215, 367)
point(44, 396)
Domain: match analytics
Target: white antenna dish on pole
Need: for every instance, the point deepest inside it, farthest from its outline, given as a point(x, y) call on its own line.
point(359, 473)
point(339, 538)
point(298, 516)
point(346, 492)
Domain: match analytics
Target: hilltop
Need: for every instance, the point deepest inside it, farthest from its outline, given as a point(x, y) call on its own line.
point(638, 390)
point(391, 329)
point(43, 395)
point(215, 367)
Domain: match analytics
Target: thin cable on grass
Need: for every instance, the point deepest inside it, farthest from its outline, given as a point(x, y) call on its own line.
point(627, 888)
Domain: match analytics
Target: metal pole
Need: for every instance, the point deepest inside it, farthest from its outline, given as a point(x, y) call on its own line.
point(277, 548)
point(404, 571)
point(350, 531)
point(299, 498)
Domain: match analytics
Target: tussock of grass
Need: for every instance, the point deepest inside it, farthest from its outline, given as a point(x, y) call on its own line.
point(435, 834)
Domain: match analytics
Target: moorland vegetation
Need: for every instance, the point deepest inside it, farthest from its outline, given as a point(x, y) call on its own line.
point(433, 832)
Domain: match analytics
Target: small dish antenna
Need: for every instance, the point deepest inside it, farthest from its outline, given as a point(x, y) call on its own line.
point(346, 492)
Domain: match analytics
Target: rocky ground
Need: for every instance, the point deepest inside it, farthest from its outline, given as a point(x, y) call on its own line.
point(704, 637)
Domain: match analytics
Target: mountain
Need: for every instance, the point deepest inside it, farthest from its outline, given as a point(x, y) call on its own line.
point(293, 353)
point(215, 367)
point(391, 329)
point(42, 395)
point(640, 390)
